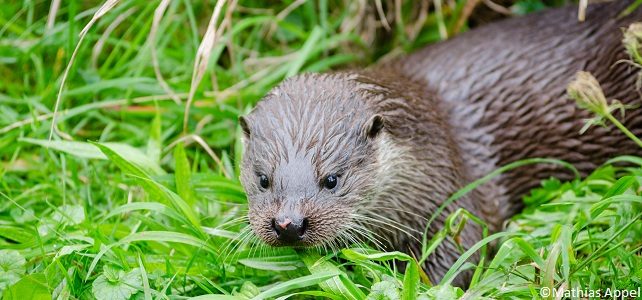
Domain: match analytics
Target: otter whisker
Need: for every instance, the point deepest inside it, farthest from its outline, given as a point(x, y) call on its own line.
point(255, 247)
point(348, 237)
point(349, 231)
point(368, 235)
point(354, 239)
point(389, 232)
point(396, 225)
point(245, 236)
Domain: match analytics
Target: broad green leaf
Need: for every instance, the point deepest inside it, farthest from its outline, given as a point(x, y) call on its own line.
point(32, 287)
point(116, 284)
point(329, 62)
point(8, 279)
point(384, 290)
point(12, 267)
point(12, 261)
point(444, 292)
point(248, 290)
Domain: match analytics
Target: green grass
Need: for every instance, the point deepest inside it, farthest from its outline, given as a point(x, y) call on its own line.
point(125, 202)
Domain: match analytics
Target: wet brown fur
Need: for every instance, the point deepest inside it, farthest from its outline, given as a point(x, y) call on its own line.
point(451, 113)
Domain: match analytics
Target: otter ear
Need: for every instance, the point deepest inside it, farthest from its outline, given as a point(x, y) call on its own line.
point(244, 126)
point(374, 126)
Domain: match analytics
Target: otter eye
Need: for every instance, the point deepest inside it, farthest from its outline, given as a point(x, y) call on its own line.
point(264, 181)
point(330, 182)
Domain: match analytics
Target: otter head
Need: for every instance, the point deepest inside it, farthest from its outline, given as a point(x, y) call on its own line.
point(310, 151)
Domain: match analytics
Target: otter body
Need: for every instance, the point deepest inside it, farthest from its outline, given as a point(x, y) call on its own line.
point(370, 155)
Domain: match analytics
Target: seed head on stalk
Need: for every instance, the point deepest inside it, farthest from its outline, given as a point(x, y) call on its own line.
point(587, 93)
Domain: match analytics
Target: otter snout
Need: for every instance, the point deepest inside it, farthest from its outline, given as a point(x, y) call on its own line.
point(289, 230)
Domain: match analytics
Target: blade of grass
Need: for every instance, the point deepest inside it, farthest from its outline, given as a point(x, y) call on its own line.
point(106, 7)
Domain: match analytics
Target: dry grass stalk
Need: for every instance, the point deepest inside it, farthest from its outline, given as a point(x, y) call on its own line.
point(439, 13)
point(417, 25)
point(498, 8)
point(51, 17)
point(98, 47)
point(202, 57)
point(107, 6)
point(225, 25)
point(465, 14)
point(382, 15)
point(581, 10)
point(158, 16)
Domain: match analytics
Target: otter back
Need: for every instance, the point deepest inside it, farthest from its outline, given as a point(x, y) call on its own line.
point(504, 88)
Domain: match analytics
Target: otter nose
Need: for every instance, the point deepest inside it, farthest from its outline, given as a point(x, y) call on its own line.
point(288, 230)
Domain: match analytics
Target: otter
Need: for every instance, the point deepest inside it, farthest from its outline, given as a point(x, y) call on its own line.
point(329, 157)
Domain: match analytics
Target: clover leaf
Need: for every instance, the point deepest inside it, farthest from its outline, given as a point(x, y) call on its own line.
point(12, 267)
point(115, 284)
point(384, 290)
